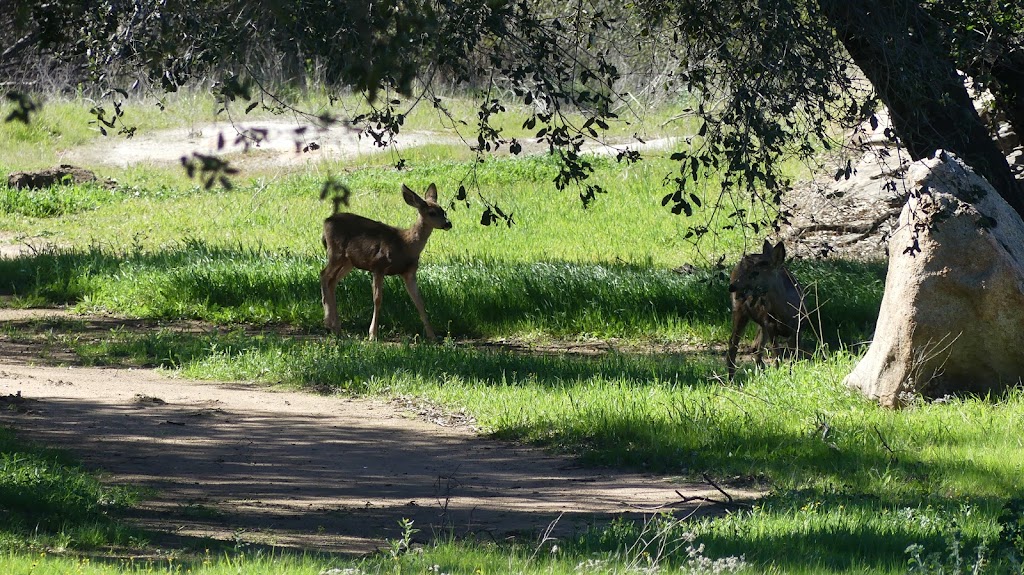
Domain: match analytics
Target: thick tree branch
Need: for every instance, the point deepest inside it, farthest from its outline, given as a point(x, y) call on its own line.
point(926, 96)
point(1009, 93)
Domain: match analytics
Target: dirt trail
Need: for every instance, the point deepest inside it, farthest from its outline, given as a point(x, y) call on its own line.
point(287, 144)
point(235, 461)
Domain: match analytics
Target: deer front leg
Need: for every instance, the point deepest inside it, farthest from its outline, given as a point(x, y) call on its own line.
point(378, 297)
point(739, 323)
point(329, 278)
point(764, 335)
point(417, 300)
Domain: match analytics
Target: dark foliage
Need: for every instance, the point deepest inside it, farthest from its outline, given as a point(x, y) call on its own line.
point(768, 79)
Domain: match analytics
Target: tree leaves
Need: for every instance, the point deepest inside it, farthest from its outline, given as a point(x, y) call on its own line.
point(493, 213)
point(209, 169)
point(763, 83)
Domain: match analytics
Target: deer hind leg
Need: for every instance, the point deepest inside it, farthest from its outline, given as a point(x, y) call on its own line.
point(417, 300)
point(329, 278)
point(793, 346)
point(378, 297)
point(793, 341)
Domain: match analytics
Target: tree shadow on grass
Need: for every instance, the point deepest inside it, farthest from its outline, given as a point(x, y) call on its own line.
point(699, 437)
point(850, 521)
point(327, 363)
point(859, 532)
point(491, 298)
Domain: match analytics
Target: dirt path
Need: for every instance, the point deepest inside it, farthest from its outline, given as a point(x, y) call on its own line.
point(286, 144)
point(234, 461)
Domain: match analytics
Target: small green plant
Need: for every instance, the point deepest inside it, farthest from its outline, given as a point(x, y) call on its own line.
point(1010, 544)
point(399, 547)
point(951, 562)
point(661, 544)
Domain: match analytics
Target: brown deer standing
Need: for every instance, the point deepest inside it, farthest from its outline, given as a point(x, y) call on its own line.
point(353, 241)
point(763, 290)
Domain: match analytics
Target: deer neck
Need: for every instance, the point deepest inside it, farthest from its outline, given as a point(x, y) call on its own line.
point(416, 236)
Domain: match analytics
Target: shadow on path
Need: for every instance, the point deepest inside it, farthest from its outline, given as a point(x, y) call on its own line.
point(243, 463)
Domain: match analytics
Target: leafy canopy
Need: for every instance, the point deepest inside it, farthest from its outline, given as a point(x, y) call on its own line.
point(768, 80)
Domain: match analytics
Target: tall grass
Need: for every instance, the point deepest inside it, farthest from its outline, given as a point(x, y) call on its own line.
point(471, 298)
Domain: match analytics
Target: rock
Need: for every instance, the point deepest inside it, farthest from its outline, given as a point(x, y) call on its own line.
point(63, 174)
point(952, 317)
point(850, 216)
point(850, 211)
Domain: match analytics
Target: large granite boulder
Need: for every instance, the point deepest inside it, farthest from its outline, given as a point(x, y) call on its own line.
point(952, 316)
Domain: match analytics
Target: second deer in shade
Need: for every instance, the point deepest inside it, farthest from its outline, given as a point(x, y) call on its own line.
point(763, 290)
point(353, 241)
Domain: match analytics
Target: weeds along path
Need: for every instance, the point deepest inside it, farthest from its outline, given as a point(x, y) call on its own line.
point(240, 462)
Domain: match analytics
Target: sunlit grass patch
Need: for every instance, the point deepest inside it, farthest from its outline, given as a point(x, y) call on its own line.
point(628, 224)
point(61, 200)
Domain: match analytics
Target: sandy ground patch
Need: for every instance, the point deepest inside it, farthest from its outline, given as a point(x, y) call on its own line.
point(275, 143)
point(278, 143)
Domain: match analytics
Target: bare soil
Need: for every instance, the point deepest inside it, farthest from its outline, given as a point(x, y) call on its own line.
point(284, 145)
point(240, 462)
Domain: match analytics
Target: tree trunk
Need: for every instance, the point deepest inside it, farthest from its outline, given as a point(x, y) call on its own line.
point(1009, 93)
point(897, 46)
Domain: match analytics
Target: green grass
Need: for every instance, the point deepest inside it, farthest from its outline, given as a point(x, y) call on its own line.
point(48, 501)
point(851, 486)
point(563, 271)
point(285, 214)
point(62, 200)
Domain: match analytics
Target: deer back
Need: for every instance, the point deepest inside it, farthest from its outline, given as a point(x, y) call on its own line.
point(375, 246)
point(369, 245)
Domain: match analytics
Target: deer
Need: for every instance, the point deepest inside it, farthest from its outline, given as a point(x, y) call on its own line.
point(763, 290)
point(353, 241)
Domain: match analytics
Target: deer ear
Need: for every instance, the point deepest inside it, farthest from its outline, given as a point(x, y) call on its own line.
point(431, 193)
point(410, 197)
point(778, 254)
